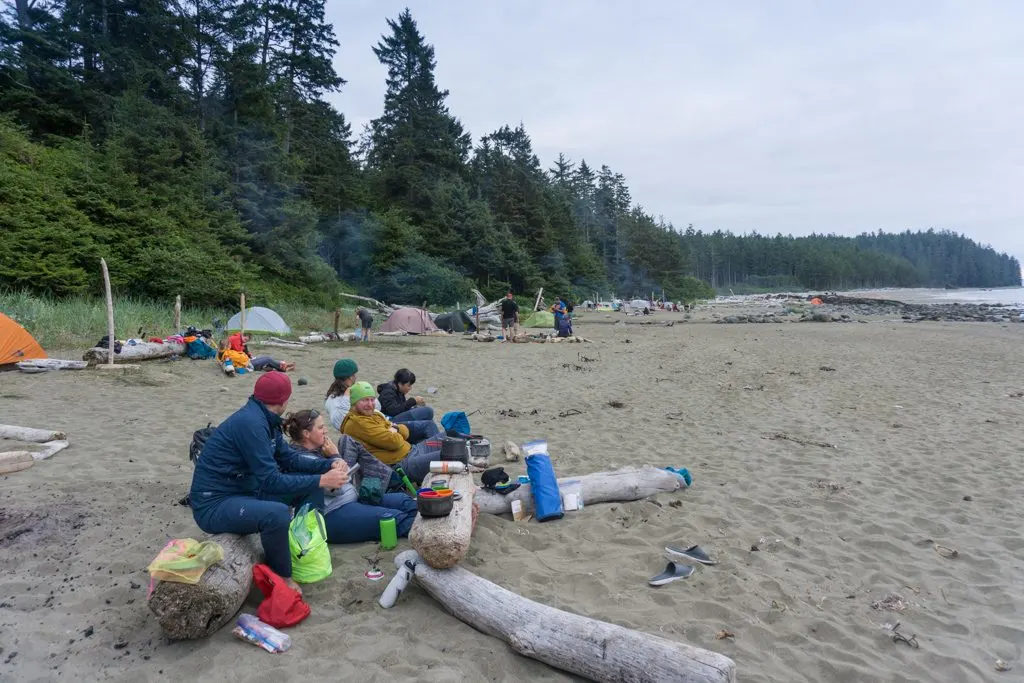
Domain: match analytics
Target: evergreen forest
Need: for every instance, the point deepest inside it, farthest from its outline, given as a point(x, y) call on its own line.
point(191, 144)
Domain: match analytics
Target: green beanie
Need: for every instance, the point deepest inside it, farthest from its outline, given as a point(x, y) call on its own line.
point(346, 367)
point(361, 390)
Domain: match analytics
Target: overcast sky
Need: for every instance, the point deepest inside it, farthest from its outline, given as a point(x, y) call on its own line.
point(789, 117)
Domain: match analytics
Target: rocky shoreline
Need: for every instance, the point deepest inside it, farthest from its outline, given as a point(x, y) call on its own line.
point(835, 308)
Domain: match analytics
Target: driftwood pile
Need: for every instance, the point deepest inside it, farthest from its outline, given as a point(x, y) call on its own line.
point(53, 442)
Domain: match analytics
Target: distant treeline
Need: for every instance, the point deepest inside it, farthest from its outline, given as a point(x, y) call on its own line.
point(191, 144)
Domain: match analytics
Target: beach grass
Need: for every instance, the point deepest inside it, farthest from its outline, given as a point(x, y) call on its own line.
point(79, 322)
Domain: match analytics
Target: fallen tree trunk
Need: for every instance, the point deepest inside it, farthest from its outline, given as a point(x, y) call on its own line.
point(15, 461)
point(587, 647)
point(29, 434)
point(49, 450)
point(136, 352)
point(629, 483)
point(186, 611)
point(45, 364)
point(442, 542)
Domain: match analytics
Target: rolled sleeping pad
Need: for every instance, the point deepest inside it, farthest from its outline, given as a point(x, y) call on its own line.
point(547, 499)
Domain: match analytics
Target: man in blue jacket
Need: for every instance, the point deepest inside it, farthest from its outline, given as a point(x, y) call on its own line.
point(248, 476)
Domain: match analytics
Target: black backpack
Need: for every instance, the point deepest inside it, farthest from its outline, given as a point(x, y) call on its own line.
point(199, 438)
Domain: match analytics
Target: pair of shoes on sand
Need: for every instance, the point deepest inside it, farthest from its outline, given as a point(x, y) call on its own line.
point(681, 565)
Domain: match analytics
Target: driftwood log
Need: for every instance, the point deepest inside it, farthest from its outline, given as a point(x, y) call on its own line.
point(15, 461)
point(136, 352)
point(187, 611)
point(29, 434)
point(45, 364)
point(442, 542)
point(50, 449)
point(587, 647)
point(629, 483)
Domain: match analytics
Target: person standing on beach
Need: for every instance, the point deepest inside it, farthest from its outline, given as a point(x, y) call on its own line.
point(366, 321)
point(240, 486)
point(509, 316)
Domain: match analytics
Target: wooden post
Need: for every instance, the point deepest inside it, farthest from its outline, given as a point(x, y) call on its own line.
point(110, 312)
point(241, 323)
point(177, 314)
point(337, 320)
point(536, 304)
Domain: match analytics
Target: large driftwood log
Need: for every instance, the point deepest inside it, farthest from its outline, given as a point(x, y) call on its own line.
point(443, 541)
point(587, 647)
point(136, 352)
point(50, 449)
point(29, 434)
point(186, 611)
point(15, 461)
point(629, 483)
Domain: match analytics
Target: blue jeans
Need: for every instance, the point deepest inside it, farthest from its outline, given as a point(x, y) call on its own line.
point(415, 414)
point(417, 463)
point(264, 362)
point(269, 516)
point(358, 522)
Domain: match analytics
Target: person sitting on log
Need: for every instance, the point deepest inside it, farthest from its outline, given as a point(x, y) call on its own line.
point(352, 512)
point(338, 403)
point(239, 485)
point(387, 442)
point(239, 343)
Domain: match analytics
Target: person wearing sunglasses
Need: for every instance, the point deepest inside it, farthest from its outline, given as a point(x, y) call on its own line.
point(352, 512)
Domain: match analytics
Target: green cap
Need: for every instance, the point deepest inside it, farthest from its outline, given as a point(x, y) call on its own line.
point(361, 390)
point(346, 367)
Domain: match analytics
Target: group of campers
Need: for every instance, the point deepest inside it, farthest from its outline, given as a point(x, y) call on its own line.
point(262, 462)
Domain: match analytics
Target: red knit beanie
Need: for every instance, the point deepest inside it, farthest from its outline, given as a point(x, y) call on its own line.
point(273, 388)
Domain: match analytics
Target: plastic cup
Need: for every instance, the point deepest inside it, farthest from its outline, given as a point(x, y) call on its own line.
point(388, 533)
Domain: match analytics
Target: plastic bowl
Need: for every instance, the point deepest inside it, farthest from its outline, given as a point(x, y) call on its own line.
point(434, 505)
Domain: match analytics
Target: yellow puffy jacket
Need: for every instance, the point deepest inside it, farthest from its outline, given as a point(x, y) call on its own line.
point(374, 432)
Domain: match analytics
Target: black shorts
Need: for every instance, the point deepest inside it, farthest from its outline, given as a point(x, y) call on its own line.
point(508, 322)
point(367, 324)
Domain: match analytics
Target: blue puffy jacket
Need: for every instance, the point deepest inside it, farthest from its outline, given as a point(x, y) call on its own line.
point(248, 456)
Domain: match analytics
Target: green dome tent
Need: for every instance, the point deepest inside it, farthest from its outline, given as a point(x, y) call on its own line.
point(539, 319)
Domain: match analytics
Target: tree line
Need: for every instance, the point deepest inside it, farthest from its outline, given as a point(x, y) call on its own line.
point(190, 143)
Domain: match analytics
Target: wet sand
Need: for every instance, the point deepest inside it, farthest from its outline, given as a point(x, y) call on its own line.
point(927, 450)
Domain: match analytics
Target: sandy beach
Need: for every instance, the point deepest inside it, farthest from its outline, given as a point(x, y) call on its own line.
point(927, 450)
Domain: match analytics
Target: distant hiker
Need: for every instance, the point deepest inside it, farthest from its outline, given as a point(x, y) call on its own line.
point(366, 321)
point(509, 316)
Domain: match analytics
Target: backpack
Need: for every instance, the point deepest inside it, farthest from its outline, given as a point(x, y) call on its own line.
point(199, 438)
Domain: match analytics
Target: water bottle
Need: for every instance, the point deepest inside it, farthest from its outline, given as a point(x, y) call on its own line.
point(388, 533)
point(262, 634)
point(447, 467)
point(397, 585)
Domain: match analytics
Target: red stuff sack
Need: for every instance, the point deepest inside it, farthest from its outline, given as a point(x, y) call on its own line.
point(282, 605)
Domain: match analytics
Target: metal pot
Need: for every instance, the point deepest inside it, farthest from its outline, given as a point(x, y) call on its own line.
point(479, 452)
point(454, 448)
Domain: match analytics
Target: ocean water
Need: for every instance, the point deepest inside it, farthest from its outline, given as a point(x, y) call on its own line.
point(1008, 296)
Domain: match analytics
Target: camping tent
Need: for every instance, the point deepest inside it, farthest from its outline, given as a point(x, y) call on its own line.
point(409, 319)
point(259, 319)
point(16, 344)
point(456, 321)
point(539, 319)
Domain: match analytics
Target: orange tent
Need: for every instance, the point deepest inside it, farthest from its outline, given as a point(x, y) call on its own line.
point(16, 343)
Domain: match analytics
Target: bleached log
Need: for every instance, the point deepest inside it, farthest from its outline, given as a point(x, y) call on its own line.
point(136, 352)
point(109, 357)
point(186, 611)
point(30, 434)
point(580, 645)
point(50, 449)
point(381, 306)
point(46, 364)
point(15, 461)
point(443, 541)
point(285, 345)
point(629, 483)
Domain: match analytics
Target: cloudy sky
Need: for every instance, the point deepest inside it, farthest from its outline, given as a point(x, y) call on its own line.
point(785, 116)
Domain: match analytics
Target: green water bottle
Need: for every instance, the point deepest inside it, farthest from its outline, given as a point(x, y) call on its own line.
point(388, 533)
